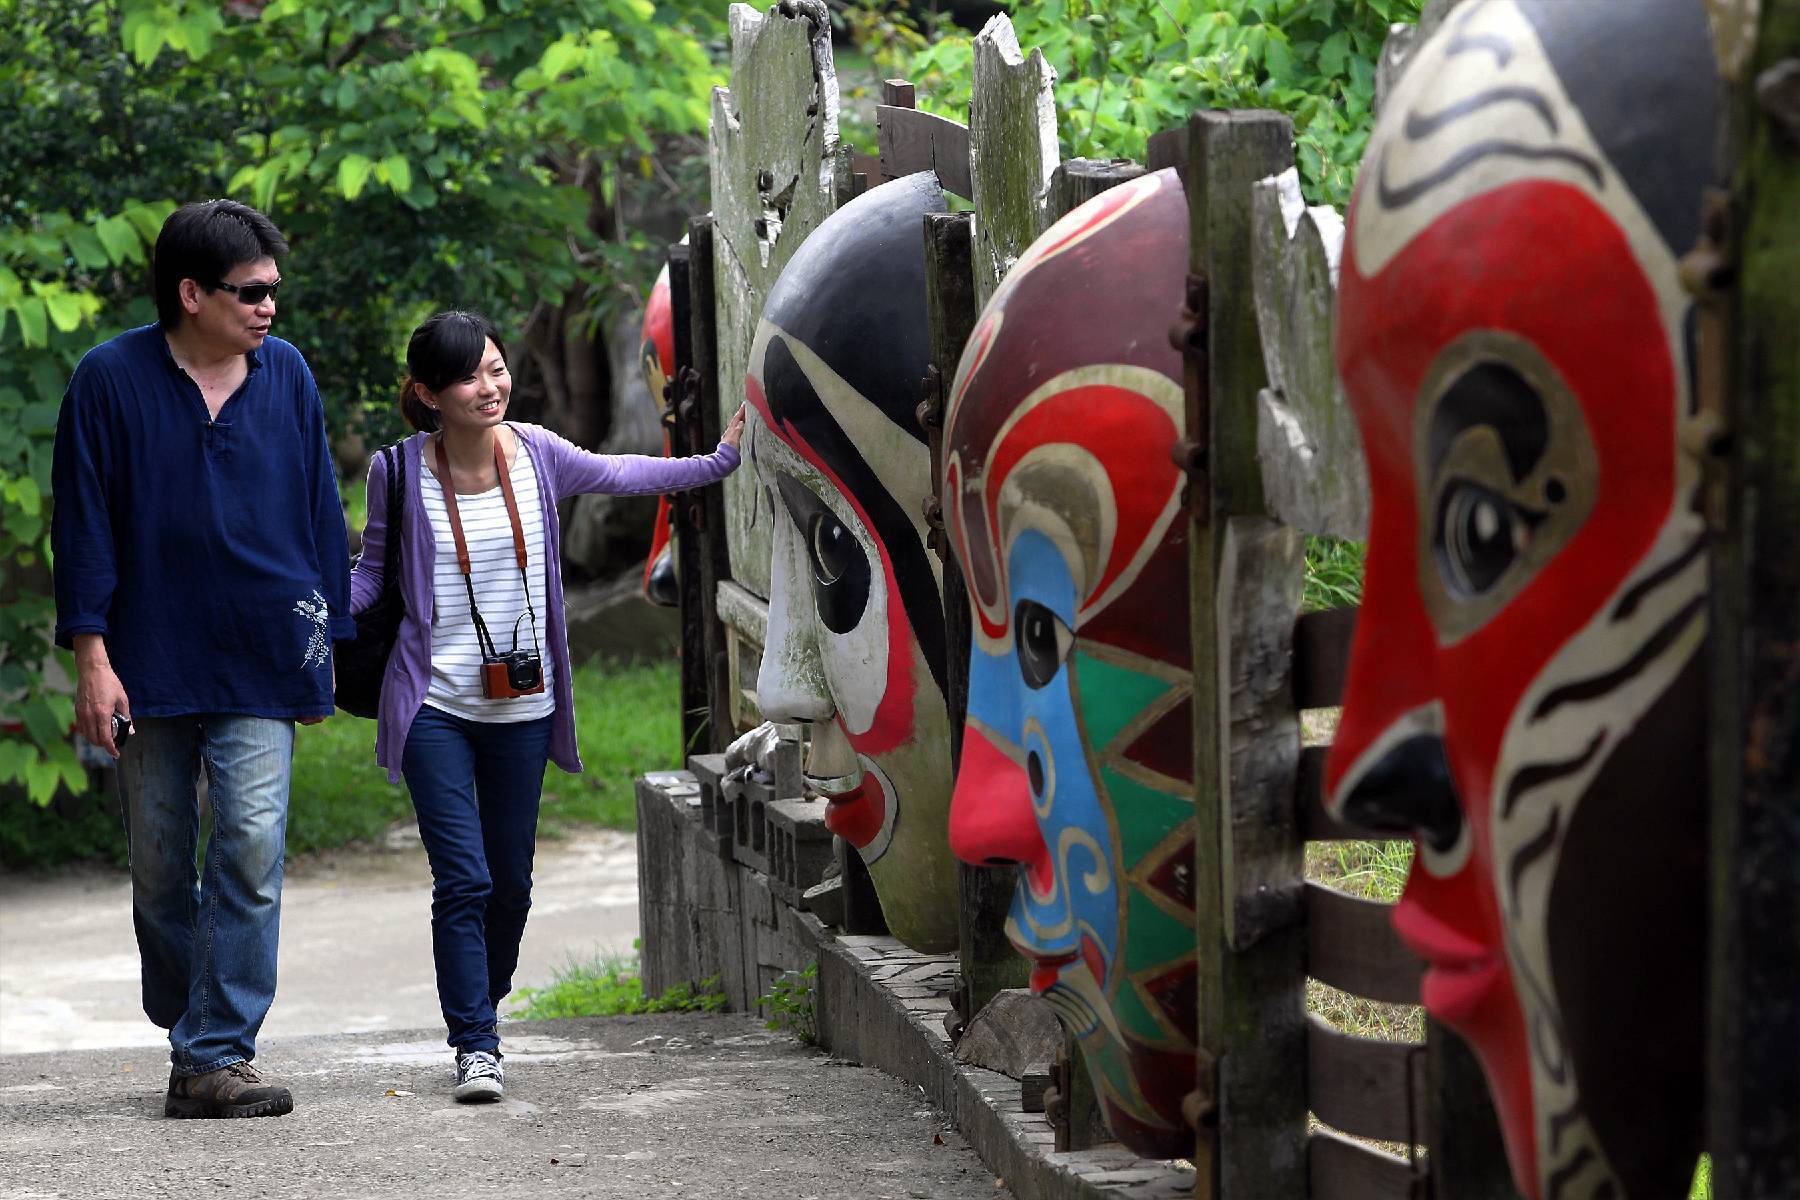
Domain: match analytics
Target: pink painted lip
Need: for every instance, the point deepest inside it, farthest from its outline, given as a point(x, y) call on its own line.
point(1045, 970)
point(1460, 971)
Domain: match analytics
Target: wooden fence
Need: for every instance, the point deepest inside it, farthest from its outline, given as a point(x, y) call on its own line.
point(1287, 1105)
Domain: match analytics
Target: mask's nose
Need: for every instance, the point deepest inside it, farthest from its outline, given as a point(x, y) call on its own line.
point(1407, 789)
point(991, 819)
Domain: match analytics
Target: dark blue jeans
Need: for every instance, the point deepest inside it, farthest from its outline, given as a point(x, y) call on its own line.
point(207, 945)
point(475, 787)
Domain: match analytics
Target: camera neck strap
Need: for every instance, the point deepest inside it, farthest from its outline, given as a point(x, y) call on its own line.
point(483, 638)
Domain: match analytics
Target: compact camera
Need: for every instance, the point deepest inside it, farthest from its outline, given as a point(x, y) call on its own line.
point(520, 673)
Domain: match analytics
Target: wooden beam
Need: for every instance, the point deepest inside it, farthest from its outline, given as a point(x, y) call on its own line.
point(1468, 1157)
point(1246, 578)
point(913, 141)
point(1754, 1094)
point(1340, 1169)
point(1322, 656)
point(1351, 946)
point(1012, 150)
point(1364, 1086)
point(706, 506)
point(1079, 180)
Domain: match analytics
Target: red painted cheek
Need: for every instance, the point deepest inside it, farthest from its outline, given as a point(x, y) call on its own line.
point(857, 815)
point(991, 821)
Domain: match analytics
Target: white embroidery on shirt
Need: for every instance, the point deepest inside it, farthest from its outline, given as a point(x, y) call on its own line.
point(318, 646)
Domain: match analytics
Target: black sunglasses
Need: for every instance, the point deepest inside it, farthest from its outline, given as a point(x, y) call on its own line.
point(251, 293)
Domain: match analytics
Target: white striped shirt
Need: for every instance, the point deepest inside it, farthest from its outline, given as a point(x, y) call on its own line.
point(455, 653)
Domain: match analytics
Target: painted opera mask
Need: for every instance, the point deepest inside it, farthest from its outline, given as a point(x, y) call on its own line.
point(856, 626)
point(1526, 693)
point(1077, 754)
point(656, 356)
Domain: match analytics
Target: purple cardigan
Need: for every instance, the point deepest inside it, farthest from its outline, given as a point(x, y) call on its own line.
point(563, 469)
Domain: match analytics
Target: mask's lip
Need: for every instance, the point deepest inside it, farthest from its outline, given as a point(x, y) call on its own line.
point(832, 787)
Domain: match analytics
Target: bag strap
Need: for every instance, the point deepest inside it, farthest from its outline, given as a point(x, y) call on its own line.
point(483, 638)
point(395, 456)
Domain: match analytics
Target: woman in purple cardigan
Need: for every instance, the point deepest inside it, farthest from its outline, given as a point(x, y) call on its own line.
point(477, 695)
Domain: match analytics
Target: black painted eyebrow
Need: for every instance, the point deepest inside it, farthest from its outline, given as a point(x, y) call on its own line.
point(1421, 125)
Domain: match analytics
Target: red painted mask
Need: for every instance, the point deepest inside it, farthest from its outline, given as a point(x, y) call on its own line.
point(1526, 689)
point(656, 355)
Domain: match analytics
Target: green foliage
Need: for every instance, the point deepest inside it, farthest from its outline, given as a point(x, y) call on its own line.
point(1334, 573)
point(608, 985)
point(417, 155)
point(792, 1004)
point(1129, 68)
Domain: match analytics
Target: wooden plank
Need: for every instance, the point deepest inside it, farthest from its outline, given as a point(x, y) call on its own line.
point(1351, 945)
point(686, 532)
point(1468, 1157)
point(1322, 656)
point(898, 93)
point(1250, 948)
point(1754, 1103)
point(1363, 1086)
point(774, 159)
point(1012, 150)
point(1313, 473)
point(707, 506)
point(913, 141)
point(1317, 825)
point(1340, 1169)
point(1079, 180)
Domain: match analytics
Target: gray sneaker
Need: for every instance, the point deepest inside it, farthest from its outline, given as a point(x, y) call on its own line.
point(238, 1090)
point(479, 1077)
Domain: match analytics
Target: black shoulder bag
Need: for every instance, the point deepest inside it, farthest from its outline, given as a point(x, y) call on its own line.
point(362, 662)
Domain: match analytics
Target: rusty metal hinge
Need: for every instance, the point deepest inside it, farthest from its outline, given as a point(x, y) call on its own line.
point(1709, 273)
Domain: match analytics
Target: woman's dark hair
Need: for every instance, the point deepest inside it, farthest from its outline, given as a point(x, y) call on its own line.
point(443, 350)
point(203, 241)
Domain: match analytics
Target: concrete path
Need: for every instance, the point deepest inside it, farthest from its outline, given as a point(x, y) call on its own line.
point(355, 942)
point(672, 1105)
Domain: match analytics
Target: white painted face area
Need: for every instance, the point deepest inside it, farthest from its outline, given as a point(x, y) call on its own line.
point(826, 570)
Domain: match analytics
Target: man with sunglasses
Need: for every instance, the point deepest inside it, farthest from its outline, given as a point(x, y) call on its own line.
point(201, 577)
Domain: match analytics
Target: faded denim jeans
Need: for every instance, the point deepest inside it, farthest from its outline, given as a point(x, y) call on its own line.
point(207, 943)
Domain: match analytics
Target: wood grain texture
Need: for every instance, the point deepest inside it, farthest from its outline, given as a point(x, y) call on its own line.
point(1361, 1085)
point(913, 141)
point(1012, 150)
point(1351, 945)
point(1340, 1169)
point(1313, 473)
point(1322, 656)
point(1251, 997)
point(774, 162)
point(706, 507)
point(1754, 1108)
point(1079, 180)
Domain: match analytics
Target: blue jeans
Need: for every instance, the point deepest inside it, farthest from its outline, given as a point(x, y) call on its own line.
point(207, 944)
point(475, 786)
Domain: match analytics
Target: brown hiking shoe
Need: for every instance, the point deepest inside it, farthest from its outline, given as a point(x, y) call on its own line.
point(234, 1091)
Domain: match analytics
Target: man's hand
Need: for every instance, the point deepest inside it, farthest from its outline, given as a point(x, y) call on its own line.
point(734, 432)
point(98, 692)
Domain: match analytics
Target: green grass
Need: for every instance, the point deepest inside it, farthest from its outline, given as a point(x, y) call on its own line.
point(608, 985)
point(1334, 573)
point(627, 721)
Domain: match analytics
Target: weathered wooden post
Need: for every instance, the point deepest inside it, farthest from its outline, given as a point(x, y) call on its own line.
point(1754, 1102)
point(1246, 572)
point(1012, 150)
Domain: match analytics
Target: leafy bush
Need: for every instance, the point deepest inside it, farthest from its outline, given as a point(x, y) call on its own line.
point(1129, 68)
point(792, 1004)
point(417, 155)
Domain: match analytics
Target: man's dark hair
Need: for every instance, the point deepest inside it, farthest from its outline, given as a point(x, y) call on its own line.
point(203, 241)
point(445, 349)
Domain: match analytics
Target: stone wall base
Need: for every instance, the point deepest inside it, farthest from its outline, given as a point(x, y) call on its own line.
point(703, 914)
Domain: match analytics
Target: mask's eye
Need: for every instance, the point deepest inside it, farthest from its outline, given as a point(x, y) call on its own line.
point(1479, 534)
point(832, 548)
point(1042, 642)
point(840, 565)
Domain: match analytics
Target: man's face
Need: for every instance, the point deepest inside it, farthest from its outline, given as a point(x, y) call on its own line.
point(222, 319)
point(1525, 693)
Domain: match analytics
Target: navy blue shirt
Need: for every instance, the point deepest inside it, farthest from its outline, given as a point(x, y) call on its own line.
point(210, 553)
